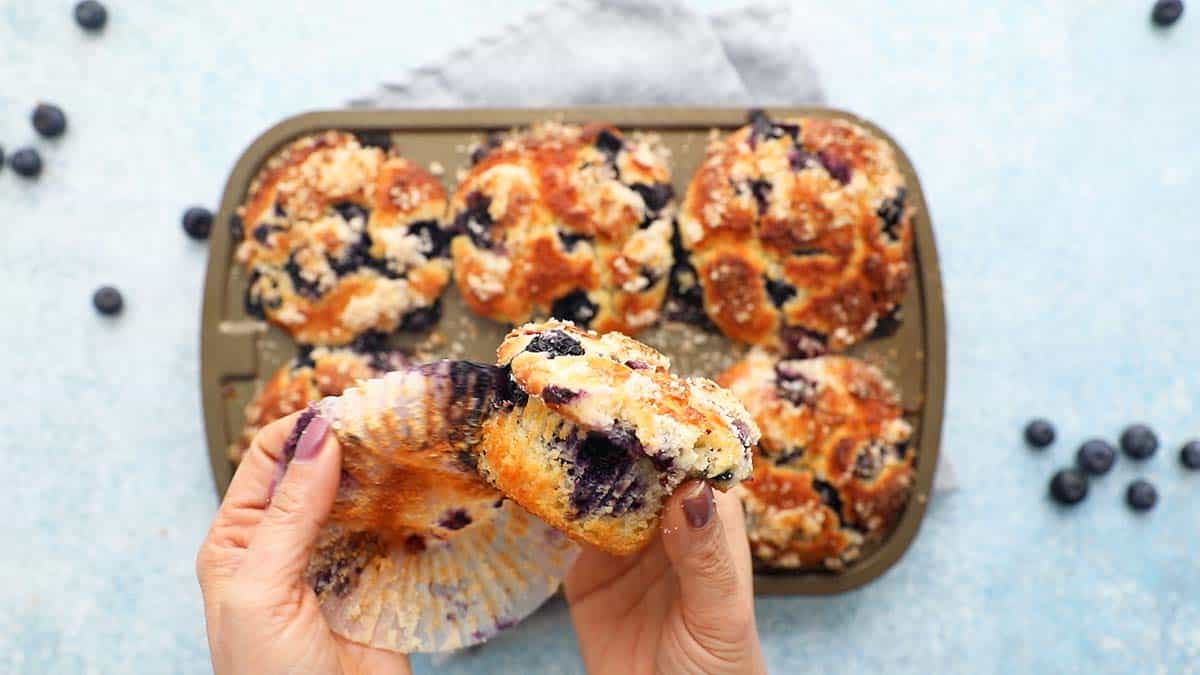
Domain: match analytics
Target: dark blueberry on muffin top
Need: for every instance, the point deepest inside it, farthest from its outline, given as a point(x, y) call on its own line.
point(575, 306)
point(555, 343)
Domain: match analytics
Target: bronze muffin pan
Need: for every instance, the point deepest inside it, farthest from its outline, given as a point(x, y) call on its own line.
point(239, 352)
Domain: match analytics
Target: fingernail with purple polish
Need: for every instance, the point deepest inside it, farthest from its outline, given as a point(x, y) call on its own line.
point(312, 440)
point(698, 507)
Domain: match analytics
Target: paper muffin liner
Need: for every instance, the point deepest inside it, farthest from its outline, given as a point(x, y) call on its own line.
point(419, 554)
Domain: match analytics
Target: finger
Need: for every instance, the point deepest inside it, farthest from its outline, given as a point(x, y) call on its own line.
point(714, 580)
point(283, 542)
point(242, 508)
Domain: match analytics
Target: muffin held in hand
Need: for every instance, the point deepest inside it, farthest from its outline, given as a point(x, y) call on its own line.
point(341, 238)
point(565, 221)
point(311, 376)
point(798, 234)
point(592, 434)
point(833, 468)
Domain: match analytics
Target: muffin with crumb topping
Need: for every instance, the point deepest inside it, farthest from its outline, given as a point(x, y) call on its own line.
point(341, 236)
point(798, 234)
point(833, 469)
point(568, 221)
point(592, 434)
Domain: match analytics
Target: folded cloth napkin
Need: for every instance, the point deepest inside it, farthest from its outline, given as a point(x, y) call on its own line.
point(623, 52)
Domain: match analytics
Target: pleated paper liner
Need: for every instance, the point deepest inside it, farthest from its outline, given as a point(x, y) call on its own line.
point(419, 554)
point(238, 352)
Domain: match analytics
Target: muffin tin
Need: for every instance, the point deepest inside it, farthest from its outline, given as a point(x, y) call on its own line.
point(238, 352)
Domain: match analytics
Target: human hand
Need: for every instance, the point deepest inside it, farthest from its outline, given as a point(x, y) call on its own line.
point(684, 604)
point(262, 617)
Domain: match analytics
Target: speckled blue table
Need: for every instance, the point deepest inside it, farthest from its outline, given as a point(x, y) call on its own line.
point(1058, 147)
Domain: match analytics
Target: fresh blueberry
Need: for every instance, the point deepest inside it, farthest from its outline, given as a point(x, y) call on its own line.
point(108, 300)
point(197, 222)
point(1039, 433)
point(890, 212)
point(555, 343)
point(793, 386)
point(91, 15)
point(1096, 457)
point(656, 195)
point(608, 143)
point(1166, 12)
point(1189, 455)
point(1069, 486)
point(574, 306)
point(829, 495)
point(1, 157)
point(49, 120)
point(260, 233)
point(1138, 441)
point(1141, 495)
point(779, 291)
point(26, 162)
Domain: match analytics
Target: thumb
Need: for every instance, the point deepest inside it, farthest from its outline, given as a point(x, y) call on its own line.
point(283, 542)
point(714, 580)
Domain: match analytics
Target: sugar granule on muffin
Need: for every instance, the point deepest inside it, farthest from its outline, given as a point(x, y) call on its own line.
point(833, 468)
point(340, 237)
point(567, 221)
point(797, 234)
point(592, 433)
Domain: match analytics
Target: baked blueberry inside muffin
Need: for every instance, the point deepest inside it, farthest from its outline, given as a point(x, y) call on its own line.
point(567, 221)
point(797, 233)
point(339, 237)
point(833, 468)
point(591, 433)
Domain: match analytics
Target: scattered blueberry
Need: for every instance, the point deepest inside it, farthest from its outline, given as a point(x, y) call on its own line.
point(197, 222)
point(1141, 495)
point(1, 158)
point(108, 300)
point(1096, 457)
point(655, 195)
point(91, 15)
point(26, 162)
point(49, 120)
point(1069, 486)
point(1166, 12)
point(1189, 455)
point(1138, 441)
point(1039, 433)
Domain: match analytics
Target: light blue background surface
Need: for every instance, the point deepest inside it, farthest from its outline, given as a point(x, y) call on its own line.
point(1057, 143)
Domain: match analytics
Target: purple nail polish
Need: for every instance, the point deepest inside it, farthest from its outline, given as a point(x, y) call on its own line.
point(312, 440)
point(698, 508)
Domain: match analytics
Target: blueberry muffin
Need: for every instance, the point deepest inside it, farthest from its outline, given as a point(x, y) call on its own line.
point(797, 233)
point(833, 467)
point(418, 553)
point(565, 221)
point(311, 376)
point(591, 433)
point(340, 238)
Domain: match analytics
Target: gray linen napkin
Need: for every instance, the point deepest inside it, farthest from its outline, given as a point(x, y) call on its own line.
point(579, 52)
